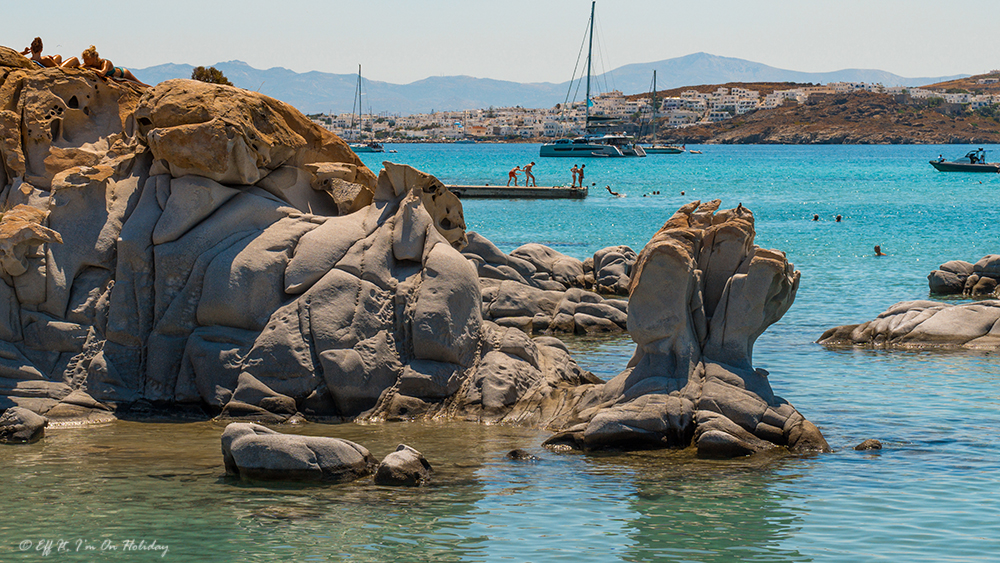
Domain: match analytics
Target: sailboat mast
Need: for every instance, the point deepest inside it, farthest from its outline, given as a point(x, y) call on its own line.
point(590, 52)
point(357, 134)
point(654, 107)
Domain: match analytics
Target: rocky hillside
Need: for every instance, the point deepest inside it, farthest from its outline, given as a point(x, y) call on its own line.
point(857, 118)
point(968, 84)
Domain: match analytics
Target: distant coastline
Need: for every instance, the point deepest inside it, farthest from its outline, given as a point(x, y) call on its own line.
point(321, 92)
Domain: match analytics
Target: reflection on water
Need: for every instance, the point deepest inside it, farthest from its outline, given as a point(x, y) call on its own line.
point(604, 355)
point(166, 482)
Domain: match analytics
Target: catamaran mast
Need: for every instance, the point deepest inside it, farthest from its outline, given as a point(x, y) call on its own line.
point(357, 114)
point(590, 52)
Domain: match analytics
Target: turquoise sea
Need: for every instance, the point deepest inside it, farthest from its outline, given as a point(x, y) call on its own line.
point(931, 494)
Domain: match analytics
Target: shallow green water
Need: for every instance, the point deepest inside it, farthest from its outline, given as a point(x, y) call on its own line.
point(932, 494)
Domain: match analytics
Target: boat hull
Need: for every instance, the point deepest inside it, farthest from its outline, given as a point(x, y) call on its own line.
point(580, 150)
point(663, 150)
point(365, 148)
point(592, 147)
point(950, 166)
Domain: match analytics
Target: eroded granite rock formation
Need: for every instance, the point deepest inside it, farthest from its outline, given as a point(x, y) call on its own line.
point(932, 324)
point(700, 295)
point(540, 290)
point(924, 324)
point(219, 250)
point(21, 426)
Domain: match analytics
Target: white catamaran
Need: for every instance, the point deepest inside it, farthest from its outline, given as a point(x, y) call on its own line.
point(592, 145)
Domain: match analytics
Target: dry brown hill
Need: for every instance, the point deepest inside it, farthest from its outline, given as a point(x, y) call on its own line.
point(969, 84)
point(764, 88)
point(857, 118)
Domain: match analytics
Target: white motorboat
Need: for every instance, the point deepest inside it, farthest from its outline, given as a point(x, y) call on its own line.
point(593, 146)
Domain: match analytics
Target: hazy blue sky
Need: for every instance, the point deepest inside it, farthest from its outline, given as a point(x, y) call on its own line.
point(402, 41)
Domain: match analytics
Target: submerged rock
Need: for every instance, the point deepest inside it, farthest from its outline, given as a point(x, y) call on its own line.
point(520, 455)
point(869, 444)
point(251, 451)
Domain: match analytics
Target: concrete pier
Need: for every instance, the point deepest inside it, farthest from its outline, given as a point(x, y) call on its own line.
point(518, 192)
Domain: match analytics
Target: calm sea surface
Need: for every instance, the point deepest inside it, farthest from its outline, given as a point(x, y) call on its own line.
point(932, 494)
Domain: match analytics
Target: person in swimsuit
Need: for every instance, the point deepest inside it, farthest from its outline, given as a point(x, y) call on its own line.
point(582, 166)
point(576, 174)
point(46, 61)
point(93, 61)
point(528, 175)
point(512, 175)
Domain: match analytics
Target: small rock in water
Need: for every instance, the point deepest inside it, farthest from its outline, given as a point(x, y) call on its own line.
point(252, 451)
point(405, 466)
point(520, 455)
point(21, 426)
point(869, 444)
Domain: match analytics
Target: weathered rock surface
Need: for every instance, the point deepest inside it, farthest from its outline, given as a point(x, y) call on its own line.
point(404, 467)
point(252, 451)
point(700, 295)
point(924, 324)
point(21, 426)
point(539, 290)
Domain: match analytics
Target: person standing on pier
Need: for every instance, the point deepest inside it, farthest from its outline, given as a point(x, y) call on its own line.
point(528, 175)
point(513, 175)
point(576, 173)
point(582, 166)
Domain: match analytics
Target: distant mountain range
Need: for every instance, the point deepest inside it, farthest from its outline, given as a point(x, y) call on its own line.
point(321, 92)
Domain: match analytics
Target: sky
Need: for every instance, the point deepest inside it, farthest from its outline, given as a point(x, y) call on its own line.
point(402, 41)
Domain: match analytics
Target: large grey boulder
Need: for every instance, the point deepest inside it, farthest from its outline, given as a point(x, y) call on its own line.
point(21, 426)
point(924, 324)
point(251, 451)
